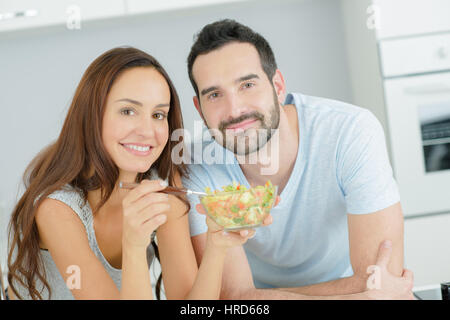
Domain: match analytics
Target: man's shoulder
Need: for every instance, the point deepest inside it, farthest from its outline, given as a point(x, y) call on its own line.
point(343, 117)
point(324, 105)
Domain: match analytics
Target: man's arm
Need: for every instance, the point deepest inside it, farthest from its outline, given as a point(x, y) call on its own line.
point(238, 283)
point(366, 232)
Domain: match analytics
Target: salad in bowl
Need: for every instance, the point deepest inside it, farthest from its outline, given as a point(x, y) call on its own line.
point(238, 207)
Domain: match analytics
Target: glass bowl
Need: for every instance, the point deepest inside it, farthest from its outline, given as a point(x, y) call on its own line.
point(235, 210)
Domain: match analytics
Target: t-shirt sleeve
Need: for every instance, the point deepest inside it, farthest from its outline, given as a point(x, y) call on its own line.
point(363, 168)
point(193, 181)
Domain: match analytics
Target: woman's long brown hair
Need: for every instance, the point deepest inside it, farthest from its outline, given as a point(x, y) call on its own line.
point(77, 153)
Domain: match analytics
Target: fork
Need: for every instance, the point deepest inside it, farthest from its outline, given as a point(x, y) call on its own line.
point(168, 189)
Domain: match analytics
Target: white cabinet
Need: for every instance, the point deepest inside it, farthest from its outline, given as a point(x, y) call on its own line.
point(414, 55)
point(25, 14)
point(427, 249)
point(397, 18)
point(145, 6)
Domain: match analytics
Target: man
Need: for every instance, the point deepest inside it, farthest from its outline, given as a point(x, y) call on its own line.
point(339, 200)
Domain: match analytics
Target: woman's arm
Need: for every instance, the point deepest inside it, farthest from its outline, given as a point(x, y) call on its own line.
point(181, 276)
point(63, 234)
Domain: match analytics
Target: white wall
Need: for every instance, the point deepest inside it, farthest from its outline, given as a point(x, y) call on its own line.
point(39, 69)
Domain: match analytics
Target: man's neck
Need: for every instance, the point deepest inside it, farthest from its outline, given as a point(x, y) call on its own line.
point(282, 151)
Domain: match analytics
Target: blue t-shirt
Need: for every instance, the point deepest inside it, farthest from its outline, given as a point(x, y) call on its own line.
point(342, 167)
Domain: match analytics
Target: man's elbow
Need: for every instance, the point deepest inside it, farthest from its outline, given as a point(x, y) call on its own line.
point(236, 293)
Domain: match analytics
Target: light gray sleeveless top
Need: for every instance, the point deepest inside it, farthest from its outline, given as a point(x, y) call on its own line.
point(74, 199)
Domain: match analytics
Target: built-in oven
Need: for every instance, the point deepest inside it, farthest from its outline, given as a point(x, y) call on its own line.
point(416, 73)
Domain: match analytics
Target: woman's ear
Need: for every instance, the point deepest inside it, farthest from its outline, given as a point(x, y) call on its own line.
point(279, 86)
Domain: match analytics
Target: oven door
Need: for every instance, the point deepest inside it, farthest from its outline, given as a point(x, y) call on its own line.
point(418, 111)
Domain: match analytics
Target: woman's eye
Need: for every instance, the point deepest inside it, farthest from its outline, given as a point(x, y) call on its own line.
point(159, 116)
point(127, 112)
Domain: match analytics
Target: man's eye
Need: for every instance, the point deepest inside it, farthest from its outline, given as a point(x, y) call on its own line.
point(127, 111)
point(248, 84)
point(213, 95)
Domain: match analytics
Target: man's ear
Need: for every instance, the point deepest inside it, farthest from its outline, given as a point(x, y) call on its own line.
point(280, 87)
point(197, 106)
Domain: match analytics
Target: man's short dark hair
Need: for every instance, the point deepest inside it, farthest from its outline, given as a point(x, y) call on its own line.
point(217, 34)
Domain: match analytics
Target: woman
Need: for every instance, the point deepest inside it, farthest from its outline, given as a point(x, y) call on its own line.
point(75, 233)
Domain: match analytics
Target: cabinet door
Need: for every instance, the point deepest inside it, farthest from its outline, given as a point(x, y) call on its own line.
point(144, 6)
point(398, 18)
point(24, 14)
point(427, 249)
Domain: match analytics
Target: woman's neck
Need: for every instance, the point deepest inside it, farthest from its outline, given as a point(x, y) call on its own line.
point(114, 202)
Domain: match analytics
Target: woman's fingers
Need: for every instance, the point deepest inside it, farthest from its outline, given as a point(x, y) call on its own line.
point(145, 201)
point(153, 223)
point(144, 188)
point(235, 238)
point(151, 211)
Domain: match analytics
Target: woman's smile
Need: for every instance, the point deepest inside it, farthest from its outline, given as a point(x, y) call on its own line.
point(137, 149)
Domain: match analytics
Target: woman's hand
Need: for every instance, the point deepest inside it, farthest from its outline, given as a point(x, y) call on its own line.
point(227, 239)
point(143, 212)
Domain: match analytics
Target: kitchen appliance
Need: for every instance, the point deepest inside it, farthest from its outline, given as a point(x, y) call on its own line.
point(433, 292)
point(416, 72)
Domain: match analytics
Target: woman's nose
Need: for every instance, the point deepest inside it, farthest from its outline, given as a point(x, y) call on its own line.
point(145, 127)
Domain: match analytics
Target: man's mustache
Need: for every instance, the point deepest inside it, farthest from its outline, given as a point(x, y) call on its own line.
point(253, 115)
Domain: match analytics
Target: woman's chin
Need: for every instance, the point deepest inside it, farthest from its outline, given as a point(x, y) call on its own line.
point(133, 171)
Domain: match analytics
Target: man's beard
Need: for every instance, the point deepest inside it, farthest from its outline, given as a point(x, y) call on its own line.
point(252, 139)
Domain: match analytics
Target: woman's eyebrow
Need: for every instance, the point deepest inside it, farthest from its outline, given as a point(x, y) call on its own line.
point(161, 105)
point(130, 101)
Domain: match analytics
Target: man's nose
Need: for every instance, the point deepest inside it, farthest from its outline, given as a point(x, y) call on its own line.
point(236, 107)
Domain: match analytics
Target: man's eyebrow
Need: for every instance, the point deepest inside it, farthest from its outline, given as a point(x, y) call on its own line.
point(247, 77)
point(161, 105)
point(206, 91)
point(244, 78)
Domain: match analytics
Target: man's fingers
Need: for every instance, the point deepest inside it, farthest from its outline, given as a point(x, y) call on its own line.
point(200, 208)
point(277, 201)
point(408, 275)
point(384, 253)
point(268, 220)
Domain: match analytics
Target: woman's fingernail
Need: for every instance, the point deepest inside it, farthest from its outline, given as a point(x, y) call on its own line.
point(244, 233)
point(163, 183)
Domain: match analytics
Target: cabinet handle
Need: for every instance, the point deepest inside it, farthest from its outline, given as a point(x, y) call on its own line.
point(435, 88)
point(19, 14)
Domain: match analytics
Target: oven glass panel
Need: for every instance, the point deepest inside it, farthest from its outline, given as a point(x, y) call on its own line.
point(435, 130)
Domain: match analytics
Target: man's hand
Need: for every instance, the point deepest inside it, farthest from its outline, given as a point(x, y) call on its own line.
point(382, 285)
